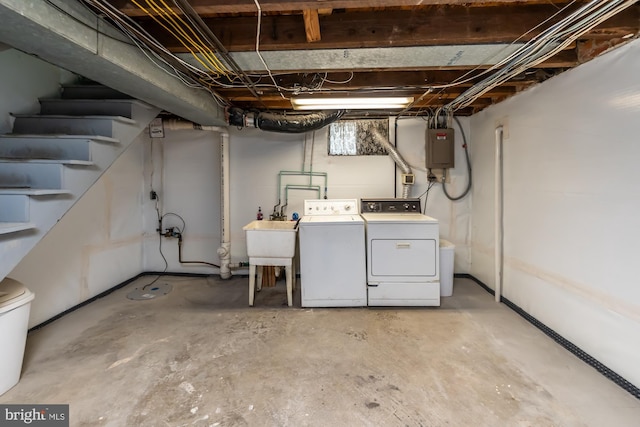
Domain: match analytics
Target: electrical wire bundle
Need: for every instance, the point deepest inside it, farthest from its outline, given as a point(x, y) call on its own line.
point(186, 33)
point(548, 43)
point(469, 175)
point(181, 26)
point(219, 70)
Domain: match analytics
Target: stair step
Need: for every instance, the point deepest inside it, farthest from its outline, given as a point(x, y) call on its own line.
point(72, 149)
point(33, 191)
point(68, 125)
point(24, 137)
point(68, 162)
point(31, 175)
point(14, 208)
point(45, 149)
point(90, 107)
point(91, 91)
point(43, 162)
point(14, 227)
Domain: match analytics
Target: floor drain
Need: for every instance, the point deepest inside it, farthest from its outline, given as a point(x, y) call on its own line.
point(150, 291)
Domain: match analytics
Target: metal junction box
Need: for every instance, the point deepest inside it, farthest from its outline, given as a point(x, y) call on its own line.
point(439, 148)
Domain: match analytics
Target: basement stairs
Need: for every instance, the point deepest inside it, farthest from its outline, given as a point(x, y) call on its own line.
point(51, 159)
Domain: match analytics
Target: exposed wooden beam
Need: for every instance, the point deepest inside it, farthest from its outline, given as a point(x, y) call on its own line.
point(311, 25)
point(214, 7)
point(352, 24)
point(426, 27)
point(392, 79)
point(589, 49)
point(242, 95)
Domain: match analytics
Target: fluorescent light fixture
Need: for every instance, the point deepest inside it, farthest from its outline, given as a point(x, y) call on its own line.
point(387, 103)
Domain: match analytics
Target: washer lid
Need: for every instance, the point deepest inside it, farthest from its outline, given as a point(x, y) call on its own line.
point(330, 220)
point(10, 289)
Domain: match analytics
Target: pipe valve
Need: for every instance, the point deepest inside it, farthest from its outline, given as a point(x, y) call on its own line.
point(172, 232)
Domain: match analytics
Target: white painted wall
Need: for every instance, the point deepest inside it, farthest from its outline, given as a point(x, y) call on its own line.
point(571, 202)
point(96, 245)
point(186, 175)
point(184, 169)
point(258, 156)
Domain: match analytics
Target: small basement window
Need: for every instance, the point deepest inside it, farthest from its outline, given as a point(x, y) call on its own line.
point(358, 137)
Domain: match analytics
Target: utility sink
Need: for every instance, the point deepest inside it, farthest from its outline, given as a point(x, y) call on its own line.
point(271, 239)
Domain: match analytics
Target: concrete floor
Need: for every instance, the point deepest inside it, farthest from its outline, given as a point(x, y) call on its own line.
point(200, 356)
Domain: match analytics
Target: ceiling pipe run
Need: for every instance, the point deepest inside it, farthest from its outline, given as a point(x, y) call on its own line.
point(280, 122)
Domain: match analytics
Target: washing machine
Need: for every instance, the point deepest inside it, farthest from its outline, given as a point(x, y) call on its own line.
point(332, 254)
point(402, 246)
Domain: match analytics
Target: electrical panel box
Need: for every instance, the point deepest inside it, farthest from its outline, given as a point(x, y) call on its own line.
point(440, 148)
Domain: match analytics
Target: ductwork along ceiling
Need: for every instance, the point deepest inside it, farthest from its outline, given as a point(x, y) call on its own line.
point(456, 56)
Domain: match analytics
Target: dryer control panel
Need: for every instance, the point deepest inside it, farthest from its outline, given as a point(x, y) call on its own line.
point(390, 206)
point(331, 207)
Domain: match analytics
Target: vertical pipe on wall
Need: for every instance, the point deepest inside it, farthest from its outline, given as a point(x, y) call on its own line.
point(498, 208)
point(225, 210)
point(224, 251)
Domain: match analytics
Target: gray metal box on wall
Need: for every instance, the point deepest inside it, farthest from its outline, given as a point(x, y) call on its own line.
point(439, 148)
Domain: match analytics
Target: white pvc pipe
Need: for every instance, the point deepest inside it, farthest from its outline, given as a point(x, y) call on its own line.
point(224, 251)
point(498, 223)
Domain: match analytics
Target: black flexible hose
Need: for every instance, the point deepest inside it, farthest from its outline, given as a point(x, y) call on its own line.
point(190, 262)
point(466, 154)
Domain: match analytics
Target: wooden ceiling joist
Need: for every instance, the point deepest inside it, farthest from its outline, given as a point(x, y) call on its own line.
point(450, 26)
point(311, 25)
point(343, 26)
point(214, 7)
